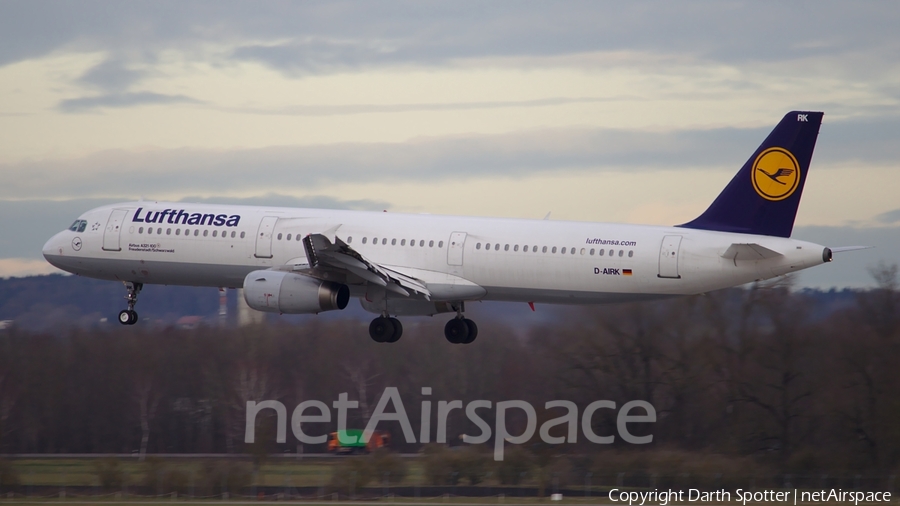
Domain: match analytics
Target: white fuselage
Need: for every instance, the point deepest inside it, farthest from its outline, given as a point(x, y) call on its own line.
point(461, 258)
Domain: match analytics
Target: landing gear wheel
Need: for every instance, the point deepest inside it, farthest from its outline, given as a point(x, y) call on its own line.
point(456, 331)
point(381, 330)
point(127, 317)
point(473, 331)
point(398, 330)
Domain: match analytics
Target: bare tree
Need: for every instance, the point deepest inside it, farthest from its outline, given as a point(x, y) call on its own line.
point(147, 398)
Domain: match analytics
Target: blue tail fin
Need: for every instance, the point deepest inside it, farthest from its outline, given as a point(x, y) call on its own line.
point(763, 197)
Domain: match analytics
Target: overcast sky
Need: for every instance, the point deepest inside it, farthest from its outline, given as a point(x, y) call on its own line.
point(635, 112)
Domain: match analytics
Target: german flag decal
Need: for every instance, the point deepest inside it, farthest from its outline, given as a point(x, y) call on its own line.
point(626, 272)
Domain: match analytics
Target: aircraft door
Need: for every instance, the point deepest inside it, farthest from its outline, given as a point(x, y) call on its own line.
point(264, 237)
point(455, 248)
point(113, 231)
point(669, 252)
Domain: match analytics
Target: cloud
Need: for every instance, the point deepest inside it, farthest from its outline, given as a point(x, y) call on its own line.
point(112, 75)
point(121, 100)
point(276, 200)
point(345, 109)
point(352, 35)
point(889, 217)
point(189, 171)
point(21, 267)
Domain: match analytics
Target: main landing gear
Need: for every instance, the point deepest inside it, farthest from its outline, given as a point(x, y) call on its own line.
point(460, 330)
point(385, 329)
point(129, 316)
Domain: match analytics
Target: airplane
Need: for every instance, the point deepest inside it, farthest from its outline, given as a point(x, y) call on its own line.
point(304, 261)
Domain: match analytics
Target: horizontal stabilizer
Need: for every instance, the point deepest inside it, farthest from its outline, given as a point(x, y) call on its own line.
point(841, 249)
point(749, 251)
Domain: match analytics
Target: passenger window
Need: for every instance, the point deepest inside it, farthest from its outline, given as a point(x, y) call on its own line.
point(140, 230)
point(621, 252)
point(375, 241)
point(412, 242)
point(534, 249)
point(487, 246)
point(393, 242)
point(630, 254)
point(573, 251)
point(430, 244)
point(168, 231)
point(384, 241)
point(279, 236)
point(215, 233)
point(289, 237)
point(196, 232)
point(592, 251)
point(543, 250)
point(205, 233)
point(441, 244)
point(232, 234)
point(242, 235)
point(403, 242)
point(422, 243)
point(177, 231)
point(516, 247)
point(364, 240)
point(149, 230)
point(553, 250)
point(506, 248)
point(349, 238)
point(478, 246)
point(563, 251)
point(298, 238)
point(582, 251)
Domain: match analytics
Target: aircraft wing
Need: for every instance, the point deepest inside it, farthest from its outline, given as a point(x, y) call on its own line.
point(332, 252)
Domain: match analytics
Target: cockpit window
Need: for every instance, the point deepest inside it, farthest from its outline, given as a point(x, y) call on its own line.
point(78, 226)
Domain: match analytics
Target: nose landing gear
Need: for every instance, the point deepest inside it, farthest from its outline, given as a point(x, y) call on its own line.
point(129, 316)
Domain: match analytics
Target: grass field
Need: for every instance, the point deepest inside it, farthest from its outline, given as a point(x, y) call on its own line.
point(309, 480)
point(82, 472)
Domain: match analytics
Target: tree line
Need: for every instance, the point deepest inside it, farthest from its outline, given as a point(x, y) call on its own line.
point(759, 373)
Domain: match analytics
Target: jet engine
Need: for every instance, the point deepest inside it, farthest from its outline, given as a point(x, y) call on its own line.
point(286, 292)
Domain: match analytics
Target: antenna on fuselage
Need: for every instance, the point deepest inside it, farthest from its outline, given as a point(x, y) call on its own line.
point(548, 215)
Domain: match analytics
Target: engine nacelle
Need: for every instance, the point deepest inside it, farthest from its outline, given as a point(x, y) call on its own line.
point(286, 292)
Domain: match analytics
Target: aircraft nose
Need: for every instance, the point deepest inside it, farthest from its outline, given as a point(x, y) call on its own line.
point(51, 248)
